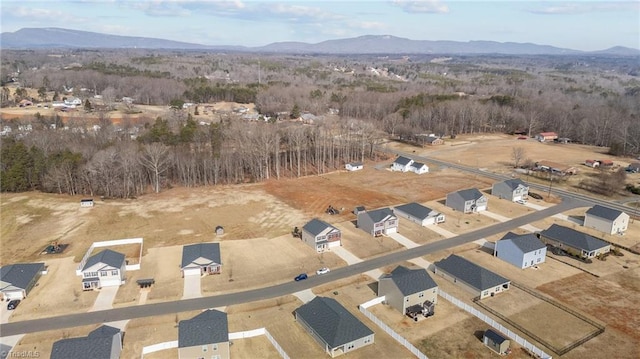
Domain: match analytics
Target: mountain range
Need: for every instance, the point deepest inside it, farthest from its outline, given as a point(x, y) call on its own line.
point(34, 38)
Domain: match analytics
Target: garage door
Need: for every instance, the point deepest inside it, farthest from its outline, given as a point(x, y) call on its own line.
point(481, 208)
point(110, 282)
point(334, 244)
point(192, 271)
point(517, 198)
point(391, 230)
point(15, 294)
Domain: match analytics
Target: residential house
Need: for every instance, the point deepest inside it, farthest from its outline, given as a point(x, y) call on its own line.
point(104, 269)
point(607, 220)
point(512, 189)
point(320, 235)
point(72, 101)
point(496, 342)
point(17, 280)
point(480, 281)
point(332, 326)
point(419, 214)
point(354, 166)
point(574, 242)
point(555, 168)
point(378, 222)
point(204, 336)
point(419, 168)
point(201, 258)
point(467, 201)
point(433, 140)
point(546, 136)
point(102, 343)
point(404, 288)
point(402, 164)
point(523, 251)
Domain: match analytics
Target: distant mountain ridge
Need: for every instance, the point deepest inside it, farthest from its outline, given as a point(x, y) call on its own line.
point(32, 38)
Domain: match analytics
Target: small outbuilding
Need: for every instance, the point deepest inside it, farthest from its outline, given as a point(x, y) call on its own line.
point(496, 342)
point(219, 230)
point(86, 202)
point(354, 166)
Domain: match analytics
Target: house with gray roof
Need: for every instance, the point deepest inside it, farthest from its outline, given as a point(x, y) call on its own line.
point(201, 258)
point(521, 250)
point(574, 242)
point(480, 281)
point(378, 222)
point(467, 201)
point(402, 164)
point(607, 220)
point(419, 168)
point(320, 235)
point(204, 336)
point(496, 342)
point(419, 214)
point(512, 189)
point(404, 288)
point(104, 269)
point(354, 166)
point(17, 280)
point(330, 324)
point(102, 343)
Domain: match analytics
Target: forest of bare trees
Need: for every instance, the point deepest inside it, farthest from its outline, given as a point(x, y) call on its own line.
point(593, 100)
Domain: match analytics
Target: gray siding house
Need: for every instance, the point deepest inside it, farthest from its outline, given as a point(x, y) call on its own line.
point(201, 258)
point(405, 287)
point(419, 214)
point(378, 222)
point(607, 220)
point(320, 235)
point(467, 201)
point(480, 281)
point(17, 280)
point(335, 329)
point(204, 336)
point(523, 251)
point(105, 269)
point(511, 189)
point(575, 242)
point(102, 343)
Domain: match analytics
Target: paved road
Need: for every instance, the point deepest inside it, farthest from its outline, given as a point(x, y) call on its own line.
point(147, 310)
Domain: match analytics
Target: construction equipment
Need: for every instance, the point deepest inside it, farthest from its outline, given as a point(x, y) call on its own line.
point(332, 210)
point(296, 233)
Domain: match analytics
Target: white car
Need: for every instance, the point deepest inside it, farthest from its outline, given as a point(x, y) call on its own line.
point(521, 201)
point(324, 270)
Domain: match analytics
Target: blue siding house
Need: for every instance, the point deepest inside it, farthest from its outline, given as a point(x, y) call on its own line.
point(523, 251)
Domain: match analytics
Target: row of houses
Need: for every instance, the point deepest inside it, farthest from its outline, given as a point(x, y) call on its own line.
point(404, 164)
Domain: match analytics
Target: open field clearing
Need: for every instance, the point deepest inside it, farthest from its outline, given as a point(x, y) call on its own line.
point(417, 233)
point(364, 245)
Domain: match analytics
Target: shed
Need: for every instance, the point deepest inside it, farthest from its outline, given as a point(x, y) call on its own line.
point(219, 230)
point(86, 202)
point(496, 341)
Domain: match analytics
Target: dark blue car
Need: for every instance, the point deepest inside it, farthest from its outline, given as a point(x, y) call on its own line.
point(300, 277)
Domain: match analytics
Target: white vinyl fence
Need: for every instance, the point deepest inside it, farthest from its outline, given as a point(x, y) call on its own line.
point(116, 242)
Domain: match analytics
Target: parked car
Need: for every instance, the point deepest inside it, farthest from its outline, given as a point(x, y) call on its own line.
point(324, 270)
point(521, 201)
point(13, 304)
point(301, 276)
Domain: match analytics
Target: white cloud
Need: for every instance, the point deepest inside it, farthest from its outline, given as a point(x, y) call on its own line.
point(586, 7)
point(422, 6)
point(42, 15)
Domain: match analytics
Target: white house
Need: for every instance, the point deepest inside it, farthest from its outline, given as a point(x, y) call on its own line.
point(419, 214)
point(402, 164)
point(607, 220)
point(522, 251)
point(73, 101)
point(86, 202)
point(354, 166)
point(104, 269)
point(320, 235)
point(419, 168)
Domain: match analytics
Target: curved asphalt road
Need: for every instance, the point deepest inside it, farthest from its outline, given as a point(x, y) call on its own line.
point(147, 310)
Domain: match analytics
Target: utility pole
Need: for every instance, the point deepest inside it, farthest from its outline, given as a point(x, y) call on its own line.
point(258, 71)
point(550, 182)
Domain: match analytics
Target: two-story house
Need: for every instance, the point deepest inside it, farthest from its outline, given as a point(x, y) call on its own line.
point(204, 336)
point(467, 201)
point(404, 288)
point(512, 189)
point(104, 269)
point(523, 251)
point(378, 222)
point(320, 235)
point(402, 164)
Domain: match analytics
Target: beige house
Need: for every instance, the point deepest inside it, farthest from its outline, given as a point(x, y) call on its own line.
point(478, 280)
point(204, 336)
point(574, 242)
point(404, 288)
point(607, 220)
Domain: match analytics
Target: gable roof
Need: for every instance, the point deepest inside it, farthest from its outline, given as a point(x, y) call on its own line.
point(494, 336)
point(403, 161)
point(97, 345)
point(470, 194)
point(430, 139)
point(316, 226)
point(332, 322)
point(525, 242)
point(208, 327)
point(356, 164)
point(514, 183)
point(108, 257)
point(20, 275)
point(210, 251)
point(411, 281)
point(470, 273)
point(379, 214)
point(415, 210)
point(604, 212)
point(573, 238)
point(417, 165)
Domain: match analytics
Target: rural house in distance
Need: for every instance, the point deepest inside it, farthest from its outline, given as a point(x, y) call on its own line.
point(546, 136)
point(354, 166)
point(523, 251)
point(574, 242)
point(201, 258)
point(378, 222)
point(419, 214)
point(512, 189)
point(467, 201)
point(607, 220)
point(402, 164)
point(204, 336)
point(320, 235)
point(480, 281)
point(17, 280)
point(104, 269)
point(333, 327)
point(404, 288)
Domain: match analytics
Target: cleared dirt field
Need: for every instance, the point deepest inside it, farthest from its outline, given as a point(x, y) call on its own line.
point(417, 233)
point(458, 222)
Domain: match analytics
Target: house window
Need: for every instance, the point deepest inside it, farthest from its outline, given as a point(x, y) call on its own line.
point(368, 340)
point(215, 356)
point(215, 346)
point(104, 273)
point(350, 346)
point(90, 274)
point(538, 260)
point(486, 292)
point(204, 348)
point(114, 272)
point(421, 295)
point(406, 299)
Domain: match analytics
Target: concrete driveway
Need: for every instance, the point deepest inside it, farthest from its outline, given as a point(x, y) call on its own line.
point(352, 259)
point(305, 296)
point(191, 287)
point(5, 314)
point(105, 298)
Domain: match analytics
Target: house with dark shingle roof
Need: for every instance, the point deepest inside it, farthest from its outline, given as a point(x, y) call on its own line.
point(419, 214)
point(320, 235)
point(405, 287)
point(378, 222)
point(204, 336)
point(104, 269)
point(17, 280)
point(102, 343)
point(481, 281)
point(333, 326)
point(354, 166)
point(523, 251)
point(419, 168)
point(607, 220)
point(402, 164)
point(575, 242)
point(467, 201)
point(201, 258)
point(512, 189)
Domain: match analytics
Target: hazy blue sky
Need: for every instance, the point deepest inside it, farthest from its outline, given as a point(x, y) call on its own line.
point(580, 25)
